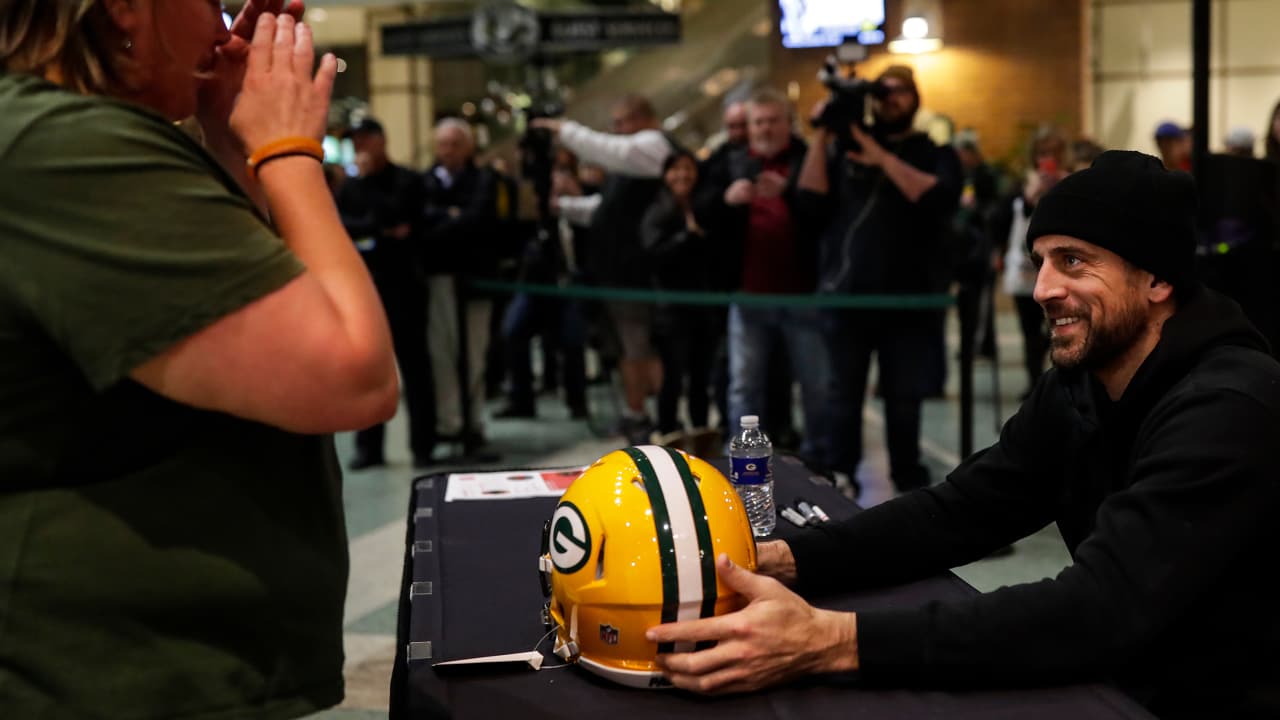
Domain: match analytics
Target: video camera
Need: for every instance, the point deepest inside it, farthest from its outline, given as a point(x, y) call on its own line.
point(847, 105)
point(537, 156)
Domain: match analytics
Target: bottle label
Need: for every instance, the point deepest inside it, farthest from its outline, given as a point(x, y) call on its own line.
point(751, 470)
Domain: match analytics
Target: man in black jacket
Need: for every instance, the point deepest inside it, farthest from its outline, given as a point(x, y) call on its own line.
point(380, 211)
point(1151, 444)
point(460, 223)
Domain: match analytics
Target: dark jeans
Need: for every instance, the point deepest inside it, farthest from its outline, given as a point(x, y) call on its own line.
point(687, 339)
point(910, 355)
point(560, 323)
point(404, 296)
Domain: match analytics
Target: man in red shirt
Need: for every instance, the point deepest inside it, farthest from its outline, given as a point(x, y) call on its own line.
point(772, 254)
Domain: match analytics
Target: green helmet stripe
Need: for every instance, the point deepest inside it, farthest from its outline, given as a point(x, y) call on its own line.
point(703, 529)
point(666, 543)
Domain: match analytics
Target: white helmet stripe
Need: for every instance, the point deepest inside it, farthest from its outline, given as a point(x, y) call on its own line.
point(684, 536)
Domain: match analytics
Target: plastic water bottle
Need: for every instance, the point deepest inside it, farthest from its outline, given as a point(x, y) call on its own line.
point(751, 472)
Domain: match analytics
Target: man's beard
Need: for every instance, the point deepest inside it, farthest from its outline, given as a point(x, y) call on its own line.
point(894, 127)
point(1102, 342)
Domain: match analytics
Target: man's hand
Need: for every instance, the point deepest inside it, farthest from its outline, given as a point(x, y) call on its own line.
point(872, 152)
point(775, 560)
point(551, 124)
point(776, 637)
point(741, 192)
point(815, 113)
point(770, 184)
point(564, 183)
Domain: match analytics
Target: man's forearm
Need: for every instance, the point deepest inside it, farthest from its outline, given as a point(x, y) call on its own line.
point(639, 155)
point(841, 653)
point(813, 173)
point(578, 209)
point(912, 182)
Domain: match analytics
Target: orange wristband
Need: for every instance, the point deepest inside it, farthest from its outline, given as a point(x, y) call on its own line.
point(284, 147)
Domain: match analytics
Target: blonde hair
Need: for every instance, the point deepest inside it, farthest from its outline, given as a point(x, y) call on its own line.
point(71, 42)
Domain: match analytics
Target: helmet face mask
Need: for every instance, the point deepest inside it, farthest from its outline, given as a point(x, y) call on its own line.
point(633, 544)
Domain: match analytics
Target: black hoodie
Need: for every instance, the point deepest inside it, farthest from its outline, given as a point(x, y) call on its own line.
point(1169, 502)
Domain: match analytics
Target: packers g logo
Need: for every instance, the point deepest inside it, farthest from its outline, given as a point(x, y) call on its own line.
point(570, 539)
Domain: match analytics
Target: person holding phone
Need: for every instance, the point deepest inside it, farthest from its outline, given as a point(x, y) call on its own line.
point(182, 329)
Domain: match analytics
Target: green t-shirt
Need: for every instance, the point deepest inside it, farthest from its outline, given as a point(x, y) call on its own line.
point(156, 561)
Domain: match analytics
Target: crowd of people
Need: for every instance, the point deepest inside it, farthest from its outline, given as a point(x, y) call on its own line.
point(879, 210)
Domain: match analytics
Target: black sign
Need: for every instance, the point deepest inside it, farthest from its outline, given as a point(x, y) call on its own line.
point(485, 34)
point(439, 38)
point(572, 33)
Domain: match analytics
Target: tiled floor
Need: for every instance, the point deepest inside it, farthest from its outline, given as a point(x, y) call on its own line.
point(376, 500)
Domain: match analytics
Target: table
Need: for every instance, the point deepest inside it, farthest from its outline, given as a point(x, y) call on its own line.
point(470, 589)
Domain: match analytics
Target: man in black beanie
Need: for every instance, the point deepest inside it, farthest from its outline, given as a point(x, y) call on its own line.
point(1153, 446)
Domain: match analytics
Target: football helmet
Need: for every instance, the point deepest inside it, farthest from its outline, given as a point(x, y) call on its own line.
point(633, 544)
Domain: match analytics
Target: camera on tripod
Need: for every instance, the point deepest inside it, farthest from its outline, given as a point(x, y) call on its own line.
point(847, 104)
point(537, 147)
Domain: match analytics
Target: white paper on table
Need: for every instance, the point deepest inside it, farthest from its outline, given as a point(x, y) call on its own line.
point(510, 485)
point(533, 658)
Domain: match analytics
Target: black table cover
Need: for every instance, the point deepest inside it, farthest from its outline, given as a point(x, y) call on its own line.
point(470, 589)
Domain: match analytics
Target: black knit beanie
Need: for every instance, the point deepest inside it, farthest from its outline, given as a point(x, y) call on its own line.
point(1129, 204)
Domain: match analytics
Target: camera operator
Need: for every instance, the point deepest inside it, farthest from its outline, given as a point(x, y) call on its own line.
point(632, 156)
point(886, 205)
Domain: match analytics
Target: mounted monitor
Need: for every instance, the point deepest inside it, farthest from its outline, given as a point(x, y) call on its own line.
point(828, 23)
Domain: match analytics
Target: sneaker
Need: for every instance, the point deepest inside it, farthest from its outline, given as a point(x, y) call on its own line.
point(704, 443)
point(476, 448)
point(513, 411)
point(362, 462)
point(637, 431)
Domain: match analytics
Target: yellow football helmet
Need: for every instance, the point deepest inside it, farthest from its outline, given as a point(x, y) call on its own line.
point(633, 544)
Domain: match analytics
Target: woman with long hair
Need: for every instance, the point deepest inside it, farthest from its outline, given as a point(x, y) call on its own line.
point(677, 249)
point(182, 327)
point(1047, 164)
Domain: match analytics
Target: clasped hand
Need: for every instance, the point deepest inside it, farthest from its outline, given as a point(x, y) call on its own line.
point(768, 184)
point(262, 88)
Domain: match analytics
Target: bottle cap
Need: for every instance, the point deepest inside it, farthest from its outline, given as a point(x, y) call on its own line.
point(750, 421)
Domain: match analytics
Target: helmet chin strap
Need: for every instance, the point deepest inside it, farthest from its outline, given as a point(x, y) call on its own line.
point(568, 651)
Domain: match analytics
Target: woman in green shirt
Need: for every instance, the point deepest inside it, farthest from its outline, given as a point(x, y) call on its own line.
point(172, 364)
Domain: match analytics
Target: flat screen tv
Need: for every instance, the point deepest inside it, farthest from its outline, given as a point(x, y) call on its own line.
point(828, 23)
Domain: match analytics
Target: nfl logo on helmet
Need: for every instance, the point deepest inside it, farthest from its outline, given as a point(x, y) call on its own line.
point(608, 635)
